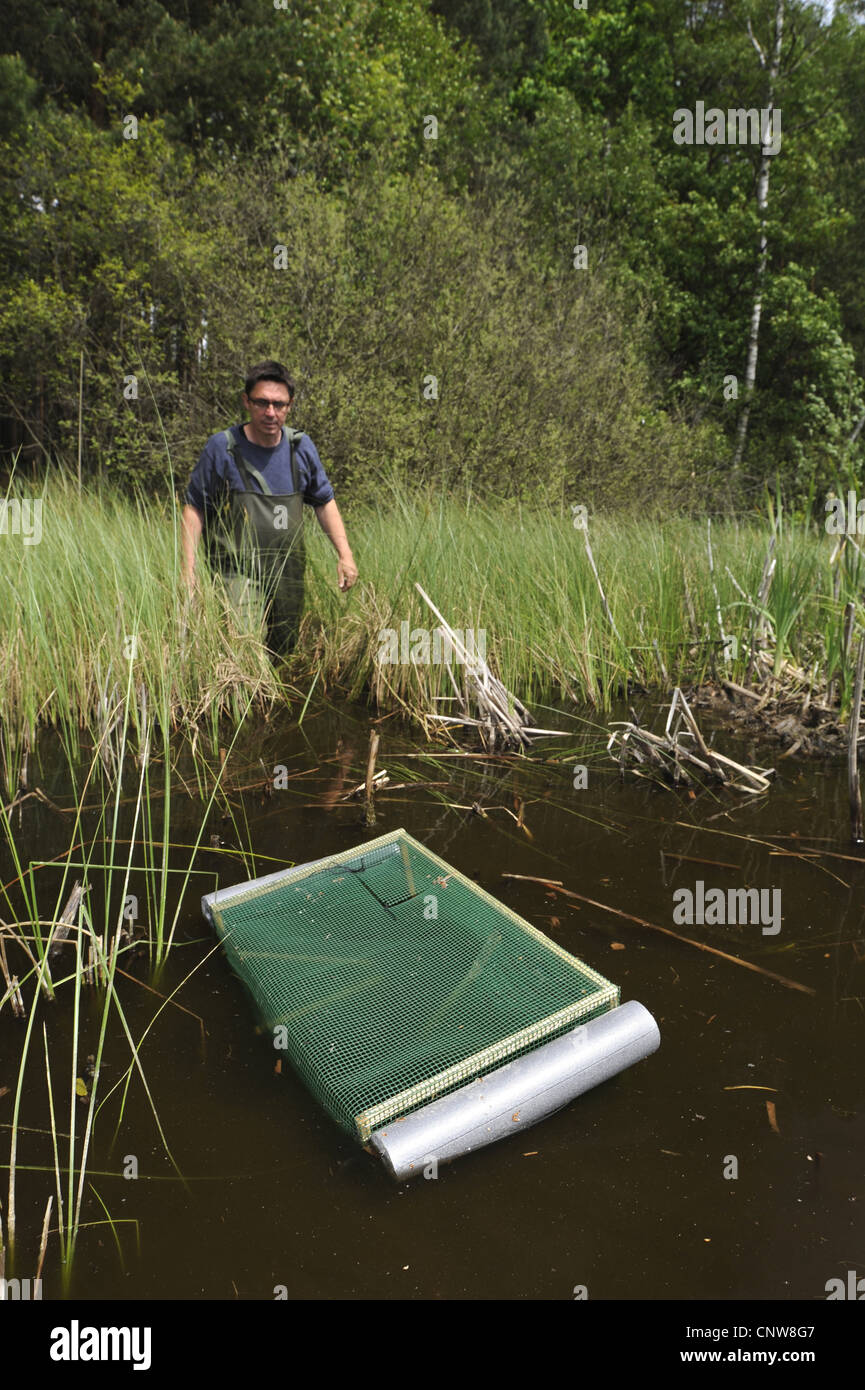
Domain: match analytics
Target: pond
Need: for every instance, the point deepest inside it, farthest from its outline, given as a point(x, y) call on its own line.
point(728, 1165)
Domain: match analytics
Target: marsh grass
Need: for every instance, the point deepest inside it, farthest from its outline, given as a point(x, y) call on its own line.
point(97, 625)
point(523, 576)
point(99, 638)
point(99, 634)
point(104, 852)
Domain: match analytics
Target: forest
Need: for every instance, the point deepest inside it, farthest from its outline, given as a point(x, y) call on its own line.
point(606, 253)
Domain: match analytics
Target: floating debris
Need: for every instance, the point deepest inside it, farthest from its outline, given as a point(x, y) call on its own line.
point(668, 759)
point(381, 779)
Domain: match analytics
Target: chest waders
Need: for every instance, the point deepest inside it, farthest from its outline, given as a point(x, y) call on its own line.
point(259, 547)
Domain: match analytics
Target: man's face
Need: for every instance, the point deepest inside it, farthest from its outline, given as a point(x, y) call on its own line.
point(268, 406)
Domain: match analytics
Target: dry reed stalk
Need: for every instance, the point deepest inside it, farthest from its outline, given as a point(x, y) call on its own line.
point(493, 700)
point(44, 1242)
point(379, 780)
point(853, 751)
point(679, 699)
point(374, 740)
point(604, 603)
point(724, 638)
point(65, 922)
point(660, 660)
point(13, 992)
point(492, 705)
point(660, 751)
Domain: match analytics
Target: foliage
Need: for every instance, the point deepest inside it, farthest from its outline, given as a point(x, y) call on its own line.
point(424, 333)
point(530, 125)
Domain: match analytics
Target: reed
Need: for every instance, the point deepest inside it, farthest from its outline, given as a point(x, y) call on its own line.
point(97, 609)
point(138, 650)
point(103, 855)
point(525, 578)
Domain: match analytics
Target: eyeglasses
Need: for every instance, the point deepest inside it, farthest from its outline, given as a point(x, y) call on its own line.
point(261, 404)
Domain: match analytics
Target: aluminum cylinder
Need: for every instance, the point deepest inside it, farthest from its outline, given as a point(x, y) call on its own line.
point(519, 1093)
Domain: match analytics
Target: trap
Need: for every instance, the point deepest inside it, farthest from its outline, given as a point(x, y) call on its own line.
point(425, 1016)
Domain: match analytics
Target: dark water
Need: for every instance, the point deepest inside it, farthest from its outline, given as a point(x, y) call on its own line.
point(623, 1192)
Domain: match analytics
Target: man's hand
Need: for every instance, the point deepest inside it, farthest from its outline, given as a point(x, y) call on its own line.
point(330, 521)
point(192, 526)
point(346, 572)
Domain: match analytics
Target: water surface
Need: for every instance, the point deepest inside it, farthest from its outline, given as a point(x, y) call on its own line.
point(624, 1191)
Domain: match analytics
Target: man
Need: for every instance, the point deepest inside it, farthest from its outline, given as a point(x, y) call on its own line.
point(246, 497)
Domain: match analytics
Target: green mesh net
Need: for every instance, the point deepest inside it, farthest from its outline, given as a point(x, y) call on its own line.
point(393, 979)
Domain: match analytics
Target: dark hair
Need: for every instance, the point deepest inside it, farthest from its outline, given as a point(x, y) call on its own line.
point(269, 371)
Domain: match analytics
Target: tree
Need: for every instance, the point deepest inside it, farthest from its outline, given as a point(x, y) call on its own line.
point(772, 67)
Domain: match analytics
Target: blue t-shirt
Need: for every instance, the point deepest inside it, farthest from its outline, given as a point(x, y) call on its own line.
point(216, 474)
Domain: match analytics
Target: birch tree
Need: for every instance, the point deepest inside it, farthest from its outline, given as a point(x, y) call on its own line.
point(771, 66)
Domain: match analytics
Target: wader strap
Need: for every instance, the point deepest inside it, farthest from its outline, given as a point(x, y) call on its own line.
point(244, 467)
point(292, 436)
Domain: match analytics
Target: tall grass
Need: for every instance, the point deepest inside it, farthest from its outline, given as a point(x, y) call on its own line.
point(103, 854)
point(99, 638)
point(525, 578)
point(98, 607)
point(98, 622)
